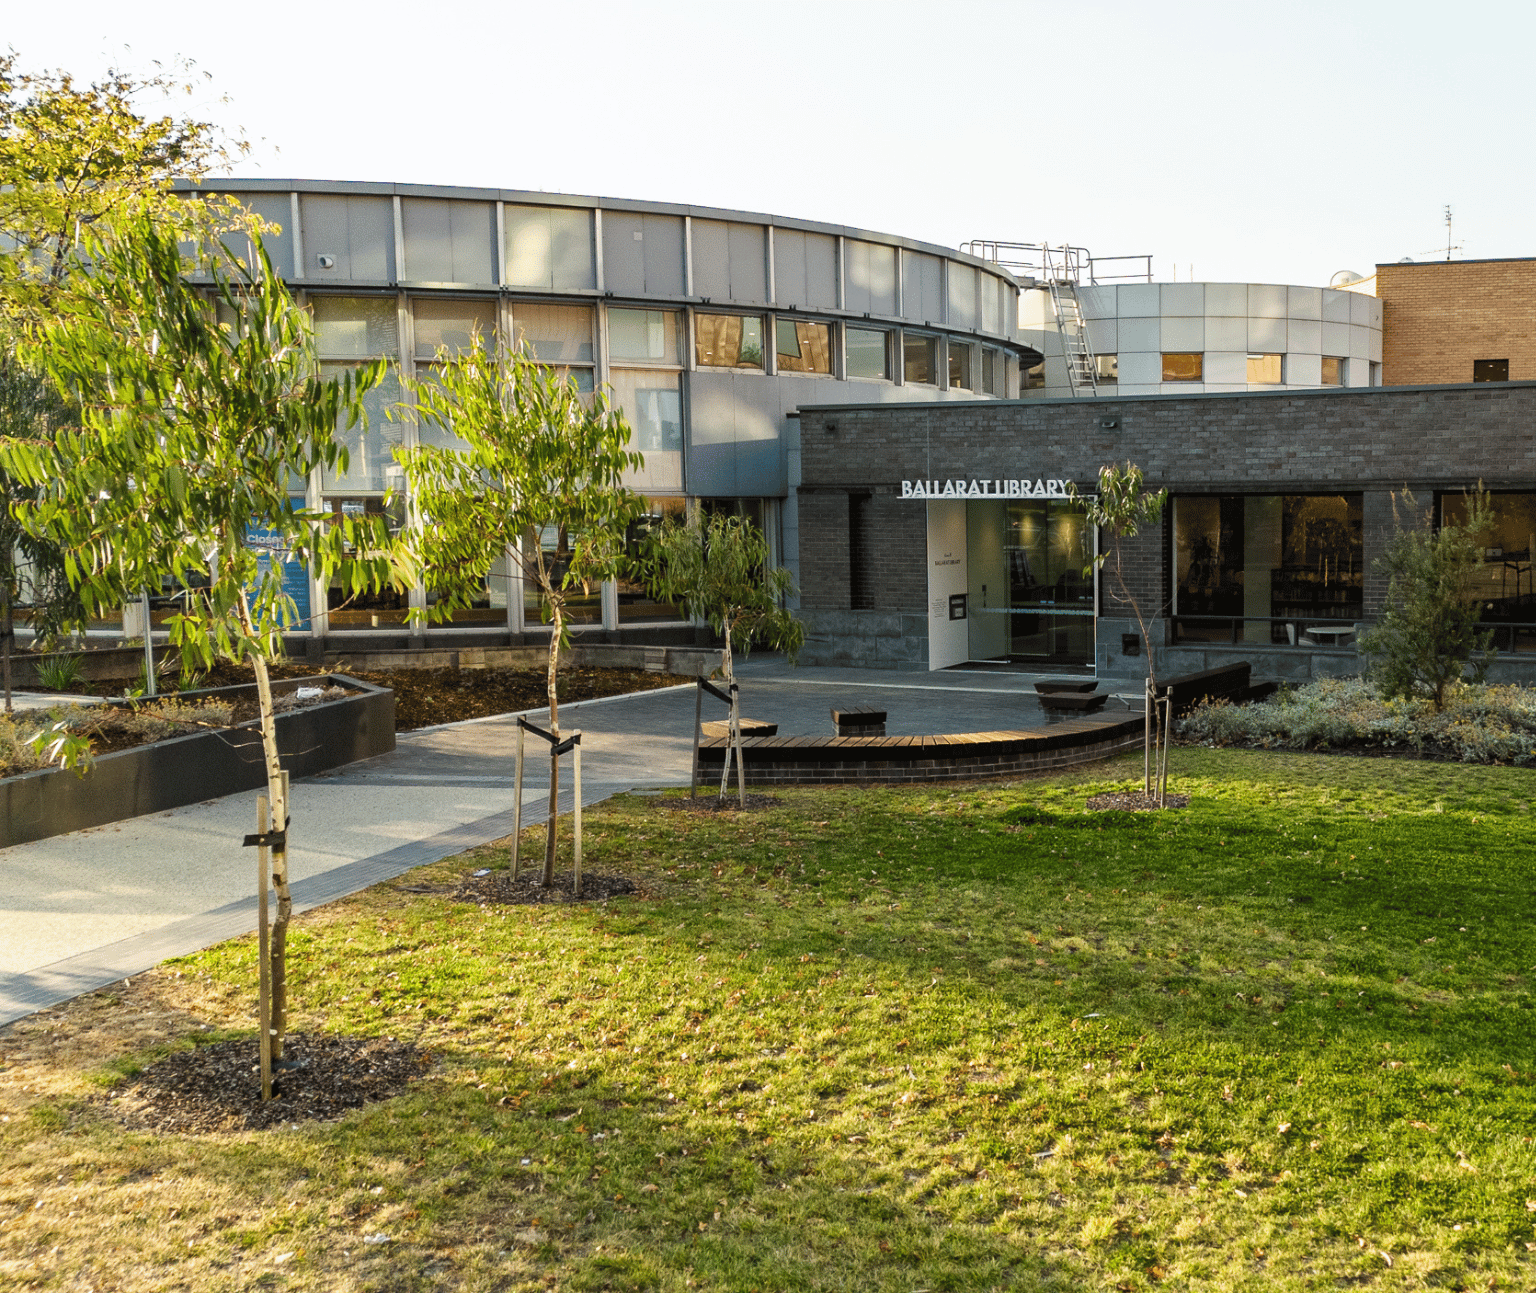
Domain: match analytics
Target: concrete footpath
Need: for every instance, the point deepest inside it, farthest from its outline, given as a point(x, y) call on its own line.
point(83, 910)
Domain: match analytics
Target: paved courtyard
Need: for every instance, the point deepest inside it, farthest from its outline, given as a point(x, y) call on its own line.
point(83, 910)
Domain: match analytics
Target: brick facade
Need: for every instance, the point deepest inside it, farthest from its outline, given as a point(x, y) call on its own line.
point(1375, 441)
point(1440, 316)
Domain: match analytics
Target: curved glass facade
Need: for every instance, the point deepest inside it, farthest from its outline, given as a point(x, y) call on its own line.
point(709, 328)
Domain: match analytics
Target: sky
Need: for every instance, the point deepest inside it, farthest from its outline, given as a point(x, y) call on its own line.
point(1231, 142)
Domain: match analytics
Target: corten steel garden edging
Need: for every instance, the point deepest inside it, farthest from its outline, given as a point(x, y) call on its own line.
point(789, 760)
point(203, 765)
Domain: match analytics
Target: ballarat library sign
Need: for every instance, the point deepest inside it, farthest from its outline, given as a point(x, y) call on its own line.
point(984, 489)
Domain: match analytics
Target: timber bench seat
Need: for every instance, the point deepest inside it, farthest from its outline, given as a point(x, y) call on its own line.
point(749, 727)
point(952, 756)
point(858, 720)
point(1080, 701)
point(1056, 686)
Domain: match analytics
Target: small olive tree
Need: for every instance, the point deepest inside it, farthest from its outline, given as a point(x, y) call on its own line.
point(535, 457)
point(1120, 508)
point(717, 569)
point(1428, 631)
point(198, 407)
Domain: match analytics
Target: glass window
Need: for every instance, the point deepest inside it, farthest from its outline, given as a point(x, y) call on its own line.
point(371, 465)
point(1490, 370)
point(989, 370)
point(581, 607)
point(355, 327)
point(868, 353)
point(643, 337)
point(1375, 374)
point(1034, 377)
point(920, 358)
point(803, 347)
point(1504, 583)
point(728, 341)
point(1029, 599)
point(636, 605)
point(959, 366)
point(653, 404)
point(1263, 370)
point(449, 325)
point(1280, 562)
point(1333, 370)
point(386, 608)
point(1106, 369)
point(556, 334)
point(1182, 367)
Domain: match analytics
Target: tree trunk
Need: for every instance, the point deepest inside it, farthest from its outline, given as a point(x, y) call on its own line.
point(277, 796)
point(555, 625)
point(7, 614)
point(733, 723)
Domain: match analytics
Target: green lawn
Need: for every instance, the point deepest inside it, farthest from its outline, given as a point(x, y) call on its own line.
point(912, 1039)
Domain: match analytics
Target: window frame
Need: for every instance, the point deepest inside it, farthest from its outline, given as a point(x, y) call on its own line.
point(885, 335)
point(1197, 355)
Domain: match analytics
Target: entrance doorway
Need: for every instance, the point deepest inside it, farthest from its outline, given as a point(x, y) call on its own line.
point(1026, 599)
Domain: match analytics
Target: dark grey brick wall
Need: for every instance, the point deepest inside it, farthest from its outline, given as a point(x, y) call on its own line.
point(1377, 441)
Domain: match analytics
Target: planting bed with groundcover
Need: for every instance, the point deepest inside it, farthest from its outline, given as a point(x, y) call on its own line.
point(873, 1039)
point(427, 697)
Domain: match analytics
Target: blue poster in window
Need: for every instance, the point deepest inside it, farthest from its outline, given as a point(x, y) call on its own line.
point(295, 575)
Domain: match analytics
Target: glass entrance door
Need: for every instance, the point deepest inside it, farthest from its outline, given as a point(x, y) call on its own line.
point(1030, 602)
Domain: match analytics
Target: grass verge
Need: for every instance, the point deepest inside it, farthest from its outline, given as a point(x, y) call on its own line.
point(958, 1038)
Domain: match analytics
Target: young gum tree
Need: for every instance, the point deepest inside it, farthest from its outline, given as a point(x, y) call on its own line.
point(1120, 508)
point(199, 408)
point(716, 569)
point(535, 458)
point(1428, 631)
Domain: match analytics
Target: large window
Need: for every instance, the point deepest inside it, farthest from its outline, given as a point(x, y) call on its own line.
point(1506, 581)
point(1266, 370)
point(386, 608)
point(990, 370)
point(1490, 370)
point(728, 341)
point(349, 329)
point(441, 325)
point(644, 337)
point(644, 350)
point(636, 605)
point(960, 366)
point(920, 359)
point(1106, 370)
point(1334, 370)
point(1268, 567)
point(559, 336)
point(1183, 367)
point(869, 353)
point(803, 347)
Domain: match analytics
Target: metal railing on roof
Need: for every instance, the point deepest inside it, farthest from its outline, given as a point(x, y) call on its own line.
point(1063, 264)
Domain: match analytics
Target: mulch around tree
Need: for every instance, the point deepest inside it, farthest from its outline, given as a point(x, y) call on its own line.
point(498, 888)
point(217, 1087)
point(428, 697)
point(709, 801)
point(1134, 801)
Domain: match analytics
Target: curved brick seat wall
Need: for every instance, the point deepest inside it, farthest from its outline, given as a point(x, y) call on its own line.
point(783, 760)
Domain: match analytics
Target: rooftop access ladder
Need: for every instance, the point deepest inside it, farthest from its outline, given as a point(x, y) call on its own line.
point(1061, 269)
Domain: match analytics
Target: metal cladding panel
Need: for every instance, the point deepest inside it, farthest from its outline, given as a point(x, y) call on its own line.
point(962, 295)
point(711, 260)
point(804, 270)
point(624, 253)
point(735, 438)
point(357, 233)
point(448, 242)
point(663, 246)
point(749, 263)
point(550, 248)
point(642, 254)
point(871, 286)
point(922, 280)
point(275, 209)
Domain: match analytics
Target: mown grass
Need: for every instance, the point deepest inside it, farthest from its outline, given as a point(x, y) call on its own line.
point(942, 1039)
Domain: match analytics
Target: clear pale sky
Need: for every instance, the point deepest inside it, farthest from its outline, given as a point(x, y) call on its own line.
point(1271, 143)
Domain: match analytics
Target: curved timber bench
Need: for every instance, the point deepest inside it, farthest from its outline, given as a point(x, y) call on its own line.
point(781, 760)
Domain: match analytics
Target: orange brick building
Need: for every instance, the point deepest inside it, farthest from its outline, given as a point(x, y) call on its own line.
point(1458, 321)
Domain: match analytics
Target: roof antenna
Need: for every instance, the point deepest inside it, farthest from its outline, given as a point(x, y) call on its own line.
point(1447, 231)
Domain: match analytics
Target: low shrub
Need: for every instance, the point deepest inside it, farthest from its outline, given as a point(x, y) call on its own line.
point(144, 723)
point(1479, 724)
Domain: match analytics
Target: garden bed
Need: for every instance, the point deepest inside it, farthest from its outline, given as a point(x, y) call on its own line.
point(208, 763)
point(1479, 724)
